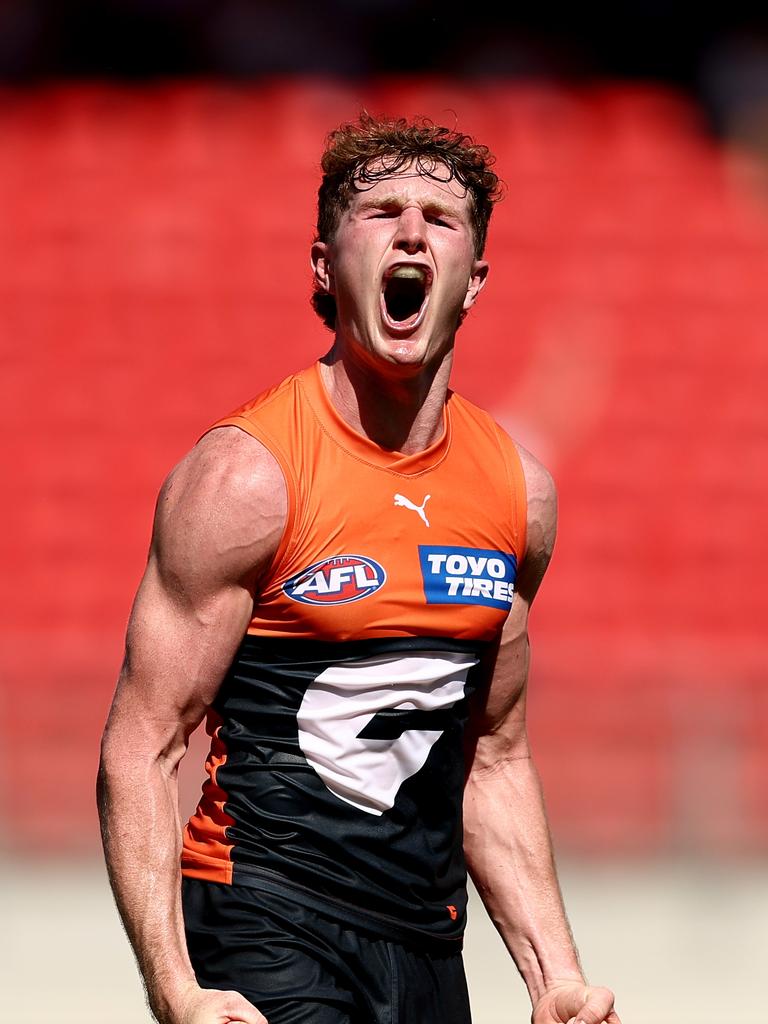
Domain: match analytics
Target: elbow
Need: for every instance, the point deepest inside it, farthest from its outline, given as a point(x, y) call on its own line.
point(112, 767)
point(131, 763)
point(495, 751)
point(134, 747)
point(111, 759)
point(106, 775)
point(115, 746)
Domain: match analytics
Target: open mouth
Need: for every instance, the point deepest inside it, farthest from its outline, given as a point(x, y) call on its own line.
point(404, 295)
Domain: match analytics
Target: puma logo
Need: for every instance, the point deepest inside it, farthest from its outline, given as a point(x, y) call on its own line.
point(404, 502)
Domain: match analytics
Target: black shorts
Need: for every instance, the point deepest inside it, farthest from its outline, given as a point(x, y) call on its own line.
point(299, 966)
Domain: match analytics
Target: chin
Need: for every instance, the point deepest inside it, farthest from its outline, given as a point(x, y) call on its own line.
point(403, 351)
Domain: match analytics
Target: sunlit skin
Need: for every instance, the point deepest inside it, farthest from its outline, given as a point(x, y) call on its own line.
point(398, 376)
point(218, 524)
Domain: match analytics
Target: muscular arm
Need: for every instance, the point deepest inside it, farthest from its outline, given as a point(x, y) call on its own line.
point(506, 836)
point(218, 522)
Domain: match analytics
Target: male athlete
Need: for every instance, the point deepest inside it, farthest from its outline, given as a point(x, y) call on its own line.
point(339, 579)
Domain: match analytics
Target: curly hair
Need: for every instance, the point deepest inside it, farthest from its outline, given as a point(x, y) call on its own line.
point(370, 149)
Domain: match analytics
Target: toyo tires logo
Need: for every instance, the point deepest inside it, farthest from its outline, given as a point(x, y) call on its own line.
point(337, 580)
point(454, 575)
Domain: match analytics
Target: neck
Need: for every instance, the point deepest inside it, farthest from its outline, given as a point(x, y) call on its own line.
point(400, 413)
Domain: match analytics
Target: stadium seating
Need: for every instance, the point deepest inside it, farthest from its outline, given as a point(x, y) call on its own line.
point(153, 271)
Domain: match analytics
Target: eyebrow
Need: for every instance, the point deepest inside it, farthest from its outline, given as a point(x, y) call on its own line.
point(392, 199)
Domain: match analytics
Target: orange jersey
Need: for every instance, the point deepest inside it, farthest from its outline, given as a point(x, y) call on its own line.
point(336, 766)
point(464, 492)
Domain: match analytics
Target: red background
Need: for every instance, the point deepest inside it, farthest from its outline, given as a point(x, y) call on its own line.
point(154, 274)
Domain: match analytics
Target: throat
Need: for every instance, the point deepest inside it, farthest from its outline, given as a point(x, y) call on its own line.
point(403, 416)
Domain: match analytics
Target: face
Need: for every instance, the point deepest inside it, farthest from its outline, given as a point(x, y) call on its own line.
point(401, 267)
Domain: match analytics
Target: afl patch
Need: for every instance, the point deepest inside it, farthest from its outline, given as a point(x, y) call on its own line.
point(337, 580)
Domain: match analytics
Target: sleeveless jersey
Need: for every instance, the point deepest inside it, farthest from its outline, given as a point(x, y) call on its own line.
point(336, 769)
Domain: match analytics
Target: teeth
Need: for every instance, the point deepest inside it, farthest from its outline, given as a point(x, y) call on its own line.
point(409, 274)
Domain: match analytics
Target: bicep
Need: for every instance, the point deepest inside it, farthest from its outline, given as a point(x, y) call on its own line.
point(217, 525)
point(179, 646)
point(177, 652)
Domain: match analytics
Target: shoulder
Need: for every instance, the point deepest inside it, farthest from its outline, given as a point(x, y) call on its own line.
point(539, 485)
point(541, 515)
point(269, 403)
point(222, 509)
point(227, 457)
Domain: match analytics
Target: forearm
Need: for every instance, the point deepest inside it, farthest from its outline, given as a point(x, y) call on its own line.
point(509, 856)
point(142, 837)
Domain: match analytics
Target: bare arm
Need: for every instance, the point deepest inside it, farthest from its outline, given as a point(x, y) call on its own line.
point(506, 836)
point(218, 522)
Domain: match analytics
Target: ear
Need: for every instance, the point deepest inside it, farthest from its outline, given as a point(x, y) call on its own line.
point(320, 260)
point(476, 284)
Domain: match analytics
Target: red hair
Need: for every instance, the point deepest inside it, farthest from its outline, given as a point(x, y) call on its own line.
point(370, 149)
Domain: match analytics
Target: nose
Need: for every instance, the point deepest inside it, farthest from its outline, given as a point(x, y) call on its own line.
point(411, 231)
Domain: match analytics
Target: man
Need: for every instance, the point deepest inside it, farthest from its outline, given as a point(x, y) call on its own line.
point(340, 577)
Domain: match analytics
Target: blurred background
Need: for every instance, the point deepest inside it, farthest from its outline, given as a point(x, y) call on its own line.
point(159, 162)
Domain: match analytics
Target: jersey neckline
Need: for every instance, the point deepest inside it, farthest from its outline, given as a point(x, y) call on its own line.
point(362, 447)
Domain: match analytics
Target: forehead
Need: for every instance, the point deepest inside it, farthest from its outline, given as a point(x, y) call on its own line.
point(438, 188)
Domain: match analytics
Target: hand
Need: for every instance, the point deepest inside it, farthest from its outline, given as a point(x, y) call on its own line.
point(572, 1002)
point(210, 1006)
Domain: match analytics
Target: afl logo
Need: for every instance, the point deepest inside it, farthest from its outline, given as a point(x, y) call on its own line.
point(336, 580)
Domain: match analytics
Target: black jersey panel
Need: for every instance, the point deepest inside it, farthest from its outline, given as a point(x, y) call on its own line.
point(344, 773)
